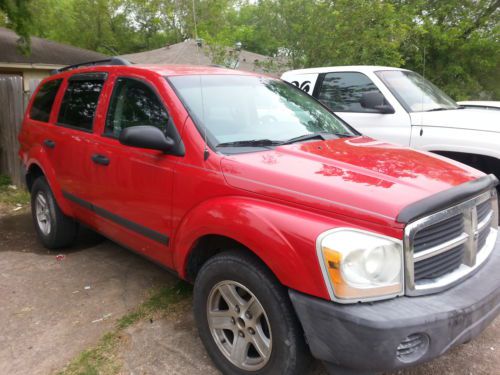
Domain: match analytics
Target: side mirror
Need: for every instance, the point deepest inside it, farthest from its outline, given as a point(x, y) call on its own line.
point(146, 137)
point(375, 100)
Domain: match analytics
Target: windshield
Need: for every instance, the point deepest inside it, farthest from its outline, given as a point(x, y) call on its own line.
point(414, 92)
point(241, 110)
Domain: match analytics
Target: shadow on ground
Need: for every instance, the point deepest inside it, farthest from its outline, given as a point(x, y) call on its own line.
point(18, 234)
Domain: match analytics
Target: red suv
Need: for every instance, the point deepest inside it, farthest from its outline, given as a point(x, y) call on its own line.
point(299, 234)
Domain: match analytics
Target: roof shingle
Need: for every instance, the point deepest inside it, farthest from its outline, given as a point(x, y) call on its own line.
point(42, 51)
point(187, 53)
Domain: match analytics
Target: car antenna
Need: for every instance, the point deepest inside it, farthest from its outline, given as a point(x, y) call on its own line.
point(422, 102)
point(206, 154)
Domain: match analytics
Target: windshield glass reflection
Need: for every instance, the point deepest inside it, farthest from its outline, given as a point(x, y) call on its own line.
point(242, 108)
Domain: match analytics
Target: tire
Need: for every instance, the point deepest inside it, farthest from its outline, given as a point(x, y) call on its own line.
point(54, 229)
point(277, 331)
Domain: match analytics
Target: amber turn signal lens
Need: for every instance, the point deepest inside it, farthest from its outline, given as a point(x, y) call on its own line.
point(360, 265)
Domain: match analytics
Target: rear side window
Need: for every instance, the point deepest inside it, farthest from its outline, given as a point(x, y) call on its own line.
point(342, 92)
point(44, 99)
point(80, 101)
point(134, 103)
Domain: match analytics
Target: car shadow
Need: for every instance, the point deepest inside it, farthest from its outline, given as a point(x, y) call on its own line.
point(17, 233)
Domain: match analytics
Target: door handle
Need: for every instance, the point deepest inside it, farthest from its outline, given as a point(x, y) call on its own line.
point(100, 159)
point(49, 143)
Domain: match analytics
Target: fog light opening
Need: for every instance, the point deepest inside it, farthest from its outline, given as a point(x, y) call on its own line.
point(413, 347)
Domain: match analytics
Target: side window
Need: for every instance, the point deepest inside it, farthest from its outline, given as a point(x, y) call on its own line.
point(342, 92)
point(80, 101)
point(42, 104)
point(134, 103)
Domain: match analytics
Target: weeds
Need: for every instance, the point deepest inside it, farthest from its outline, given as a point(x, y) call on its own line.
point(102, 359)
point(12, 195)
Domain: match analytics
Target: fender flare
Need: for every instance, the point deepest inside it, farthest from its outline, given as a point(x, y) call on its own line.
point(282, 237)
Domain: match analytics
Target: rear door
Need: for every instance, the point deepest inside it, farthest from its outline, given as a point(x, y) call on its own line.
point(74, 136)
point(342, 92)
point(134, 186)
point(38, 128)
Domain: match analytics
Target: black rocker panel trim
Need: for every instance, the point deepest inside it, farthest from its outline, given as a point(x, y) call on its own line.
point(146, 232)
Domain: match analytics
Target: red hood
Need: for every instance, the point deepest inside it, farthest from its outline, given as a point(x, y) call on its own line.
point(358, 177)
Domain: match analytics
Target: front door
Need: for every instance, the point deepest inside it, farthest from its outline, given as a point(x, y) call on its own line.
point(342, 92)
point(133, 186)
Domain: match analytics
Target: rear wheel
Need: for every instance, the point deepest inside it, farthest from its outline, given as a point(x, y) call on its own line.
point(246, 320)
point(54, 229)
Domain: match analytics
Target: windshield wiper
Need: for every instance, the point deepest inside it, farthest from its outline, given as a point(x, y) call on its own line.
point(322, 136)
point(443, 109)
point(250, 143)
point(304, 137)
point(269, 142)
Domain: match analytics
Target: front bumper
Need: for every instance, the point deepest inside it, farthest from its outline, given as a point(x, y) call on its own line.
point(365, 337)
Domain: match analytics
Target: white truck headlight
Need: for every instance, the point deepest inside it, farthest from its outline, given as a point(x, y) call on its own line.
point(359, 265)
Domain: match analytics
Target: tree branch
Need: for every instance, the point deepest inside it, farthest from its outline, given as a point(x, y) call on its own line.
point(482, 17)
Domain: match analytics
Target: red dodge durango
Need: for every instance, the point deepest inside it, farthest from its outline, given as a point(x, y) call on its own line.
point(301, 236)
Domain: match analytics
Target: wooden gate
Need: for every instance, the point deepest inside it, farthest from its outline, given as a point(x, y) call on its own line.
point(12, 104)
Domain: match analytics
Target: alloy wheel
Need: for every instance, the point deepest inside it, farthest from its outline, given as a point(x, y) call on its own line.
point(42, 212)
point(239, 325)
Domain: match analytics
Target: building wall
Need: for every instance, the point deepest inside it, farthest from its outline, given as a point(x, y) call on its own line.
point(32, 73)
point(32, 77)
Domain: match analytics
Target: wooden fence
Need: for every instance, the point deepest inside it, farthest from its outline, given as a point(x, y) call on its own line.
point(13, 101)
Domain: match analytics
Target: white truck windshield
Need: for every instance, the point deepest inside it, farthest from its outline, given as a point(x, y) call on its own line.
point(414, 92)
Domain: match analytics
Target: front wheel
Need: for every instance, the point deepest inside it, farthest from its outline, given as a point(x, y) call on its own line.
point(246, 320)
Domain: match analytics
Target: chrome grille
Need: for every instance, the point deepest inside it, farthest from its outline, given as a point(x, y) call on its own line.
point(483, 210)
point(481, 240)
point(440, 264)
point(485, 216)
point(445, 247)
point(439, 233)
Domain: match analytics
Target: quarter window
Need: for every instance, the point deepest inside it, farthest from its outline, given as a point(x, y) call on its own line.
point(44, 99)
point(80, 102)
point(342, 92)
point(133, 104)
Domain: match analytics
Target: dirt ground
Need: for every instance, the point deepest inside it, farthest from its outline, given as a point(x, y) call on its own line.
point(52, 308)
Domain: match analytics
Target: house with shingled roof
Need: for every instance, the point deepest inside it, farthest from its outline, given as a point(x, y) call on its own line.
point(195, 52)
point(44, 57)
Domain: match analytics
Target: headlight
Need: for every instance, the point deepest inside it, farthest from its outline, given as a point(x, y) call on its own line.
point(359, 265)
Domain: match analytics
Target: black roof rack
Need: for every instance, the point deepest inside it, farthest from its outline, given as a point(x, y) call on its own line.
point(110, 61)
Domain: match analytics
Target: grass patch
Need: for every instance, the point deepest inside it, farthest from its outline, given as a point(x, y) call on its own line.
point(102, 359)
point(12, 195)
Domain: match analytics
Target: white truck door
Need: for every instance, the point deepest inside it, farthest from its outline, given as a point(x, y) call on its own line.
point(342, 92)
point(305, 82)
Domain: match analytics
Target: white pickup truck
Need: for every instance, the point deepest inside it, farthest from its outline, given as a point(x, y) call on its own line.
point(400, 106)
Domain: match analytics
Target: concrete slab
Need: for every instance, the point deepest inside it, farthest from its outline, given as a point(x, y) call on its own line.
point(50, 309)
